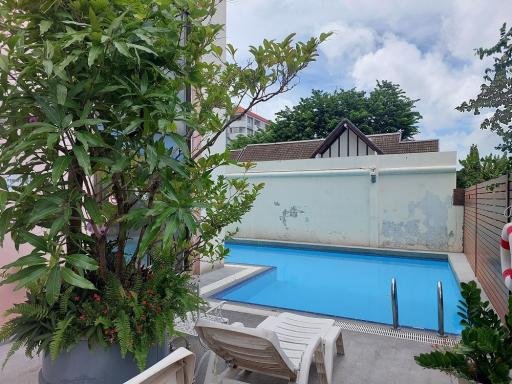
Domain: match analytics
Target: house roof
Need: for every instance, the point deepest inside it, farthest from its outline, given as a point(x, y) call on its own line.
point(383, 143)
point(338, 131)
point(391, 143)
point(252, 114)
point(287, 150)
point(235, 153)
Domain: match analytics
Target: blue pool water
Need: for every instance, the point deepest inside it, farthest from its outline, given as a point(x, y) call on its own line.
point(348, 285)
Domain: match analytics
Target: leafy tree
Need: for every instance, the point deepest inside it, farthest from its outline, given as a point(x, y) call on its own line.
point(496, 91)
point(471, 173)
point(476, 169)
point(385, 109)
point(95, 138)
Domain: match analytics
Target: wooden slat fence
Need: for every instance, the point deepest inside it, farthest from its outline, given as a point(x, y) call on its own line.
point(484, 205)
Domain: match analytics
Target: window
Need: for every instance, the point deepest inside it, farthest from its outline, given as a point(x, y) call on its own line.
point(250, 121)
point(257, 123)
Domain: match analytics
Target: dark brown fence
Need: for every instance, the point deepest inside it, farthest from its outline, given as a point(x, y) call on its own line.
point(484, 205)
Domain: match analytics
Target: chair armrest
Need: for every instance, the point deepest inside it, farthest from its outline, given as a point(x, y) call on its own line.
point(307, 359)
point(332, 335)
point(180, 360)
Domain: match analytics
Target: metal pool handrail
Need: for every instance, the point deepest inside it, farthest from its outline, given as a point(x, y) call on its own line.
point(440, 309)
point(394, 303)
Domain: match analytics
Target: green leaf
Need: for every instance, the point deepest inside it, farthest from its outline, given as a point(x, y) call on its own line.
point(94, 52)
point(4, 63)
point(26, 276)
point(190, 222)
point(151, 157)
point(42, 212)
point(133, 126)
point(62, 94)
point(181, 142)
point(84, 122)
point(76, 280)
point(59, 167)
point(83, 159)
point(38, 242)
point(44, 26)
point(52, 139)
point(87, 139)
point(149, 237)
point(122, 48)
point(58, 224)
point(169, 232)
point(5, 221)
point(53, 285)
point(92, 207)
point(141, 48)
point(58, 336)
point(48, 67)
point(82, 261)
point(3, 199)
point(25, 261)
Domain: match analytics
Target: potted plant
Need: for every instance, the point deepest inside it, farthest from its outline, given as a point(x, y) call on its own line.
point(484, 354)
point(100, 103)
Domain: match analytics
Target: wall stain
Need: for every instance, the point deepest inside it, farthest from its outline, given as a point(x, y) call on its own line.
point(276, 203)
point(422, 226)
point(293, 212)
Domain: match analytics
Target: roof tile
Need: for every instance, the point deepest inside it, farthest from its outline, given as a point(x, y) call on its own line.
point(290, 150)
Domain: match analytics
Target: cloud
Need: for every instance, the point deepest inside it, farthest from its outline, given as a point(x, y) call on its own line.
point(424, 76)
point(347, 41)
point(473, 24)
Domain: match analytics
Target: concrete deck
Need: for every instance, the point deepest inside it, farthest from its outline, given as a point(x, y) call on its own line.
point(369, 359)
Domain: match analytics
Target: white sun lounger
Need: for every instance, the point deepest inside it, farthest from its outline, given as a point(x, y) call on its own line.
point(276, 348)
point(292, 328)
point(177, 368)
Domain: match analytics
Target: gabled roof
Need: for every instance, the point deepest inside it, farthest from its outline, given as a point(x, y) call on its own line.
point(338, 131)
point(287, 150)
point(391, 143)
point(383, 143)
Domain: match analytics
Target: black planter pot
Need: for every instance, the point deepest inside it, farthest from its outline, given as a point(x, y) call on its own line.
point(99, 365)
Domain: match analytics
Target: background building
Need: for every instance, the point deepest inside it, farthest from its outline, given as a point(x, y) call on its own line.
point(247, 125)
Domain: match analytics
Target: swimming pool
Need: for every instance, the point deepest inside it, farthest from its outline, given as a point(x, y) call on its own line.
point(349, 285)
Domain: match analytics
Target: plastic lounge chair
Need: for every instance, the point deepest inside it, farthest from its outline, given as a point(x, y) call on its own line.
point(177, 368)
point(257, 350)
point(292, 328)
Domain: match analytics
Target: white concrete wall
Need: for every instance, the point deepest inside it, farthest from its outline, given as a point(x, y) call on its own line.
point(333, 201)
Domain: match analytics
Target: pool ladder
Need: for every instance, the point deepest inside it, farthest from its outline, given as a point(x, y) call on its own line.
point(440, 307)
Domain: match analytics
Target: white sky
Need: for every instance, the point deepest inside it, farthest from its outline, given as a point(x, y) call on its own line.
point(425, 46)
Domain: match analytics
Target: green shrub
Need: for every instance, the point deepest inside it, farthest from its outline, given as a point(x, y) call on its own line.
point(96, 146)
point(484, 353)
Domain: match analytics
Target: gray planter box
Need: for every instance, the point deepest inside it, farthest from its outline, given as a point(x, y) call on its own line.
point(97, 366)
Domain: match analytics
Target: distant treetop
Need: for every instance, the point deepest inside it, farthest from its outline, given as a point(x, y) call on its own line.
point(385, 109)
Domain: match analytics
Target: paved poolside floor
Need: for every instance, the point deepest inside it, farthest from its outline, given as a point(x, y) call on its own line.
point(369, 359)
